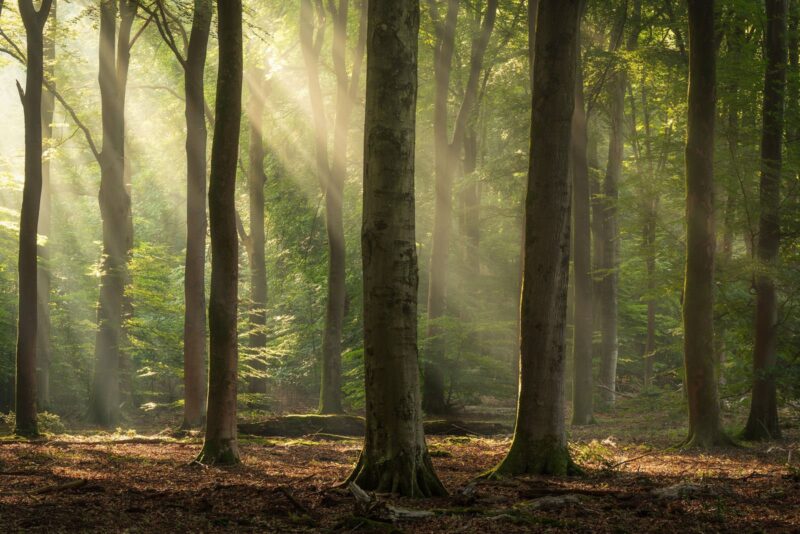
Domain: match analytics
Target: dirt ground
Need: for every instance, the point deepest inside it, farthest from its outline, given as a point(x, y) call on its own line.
point(132, 483)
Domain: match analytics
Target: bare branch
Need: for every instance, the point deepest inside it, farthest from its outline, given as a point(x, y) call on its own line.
point(21, 93)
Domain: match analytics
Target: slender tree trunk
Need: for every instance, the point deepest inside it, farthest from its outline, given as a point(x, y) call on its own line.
point(256, 180)
point(332, 174)
point(220, 446)
point(540, 443)
point(582, 384)
point(610, 246)
point(43, 281)
point(194, 322)
point(34, 21)
point(763, 420)
point(395, 456)
point(705, 428)
point(115, 206)
point(433, 397)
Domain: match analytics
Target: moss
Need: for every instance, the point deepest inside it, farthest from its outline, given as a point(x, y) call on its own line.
point(219, 452)
point(542, 457)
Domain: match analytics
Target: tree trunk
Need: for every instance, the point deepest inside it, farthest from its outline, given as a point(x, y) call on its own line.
point(34, 21)
point(540, 443)
point(698, 312)
point(395, 456)
point(43, 353)
point(610, 246)
point(763, 420)
point(332, 174)
point(194, 323)
point(220, 446)
point(433, 397)
point(582, 385)
point(256, 180)
point(115, 206)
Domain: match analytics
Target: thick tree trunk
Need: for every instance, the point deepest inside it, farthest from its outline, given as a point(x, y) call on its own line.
point(194, 322)
point(220, 446)
point(34, 21)
point(582, 384)
point(43, 353)
point(256, 180)
point(698, 313)
point(115, 206)
point(763, 420)
point(395, 456)
point(540, 443)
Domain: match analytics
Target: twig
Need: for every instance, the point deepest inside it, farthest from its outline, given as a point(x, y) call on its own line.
point(73, 484)
point(300, 507)
point(601, 386)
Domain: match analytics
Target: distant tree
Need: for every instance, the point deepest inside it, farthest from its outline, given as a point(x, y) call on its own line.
point(395, 456)
point(698, 313)
point(763, 420)
point(220, 446)
point(31, 96)
point(256, 241)
point(540, 443)
point(582, 384)
point(43, 352)
point(115, 207)
point(447, 154)
point(331, 172)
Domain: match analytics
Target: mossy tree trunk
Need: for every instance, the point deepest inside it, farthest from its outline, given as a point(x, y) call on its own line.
point(698, 312)
point(540, 442)
point(763, 420)
point(395, 456)
point(31, 96)
point(220, 445)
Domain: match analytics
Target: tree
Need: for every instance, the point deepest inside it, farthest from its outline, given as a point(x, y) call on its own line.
point(43, 352)
point(447, 152)
point(220, 445)
point(582, 386)
point(539, 445)
point(194, 330)
point(763, 420)
point(255, 242)
point(193, 62)
point(698, 317)
point(115, 207)
point(331, 174)
point(31, 97)
point(395, 456)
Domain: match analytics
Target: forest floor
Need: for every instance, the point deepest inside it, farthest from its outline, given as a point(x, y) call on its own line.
point(632, 482)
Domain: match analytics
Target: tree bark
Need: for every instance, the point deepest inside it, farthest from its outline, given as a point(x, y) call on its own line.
point(763, 420)
point(395, 456)
point(698, 314)
point(220, 446)
point(34, 21)
point(43, 352)
point(539, 445)
point(194, 322)
point(582, 385)
point(115, 206)
point(256, 180)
